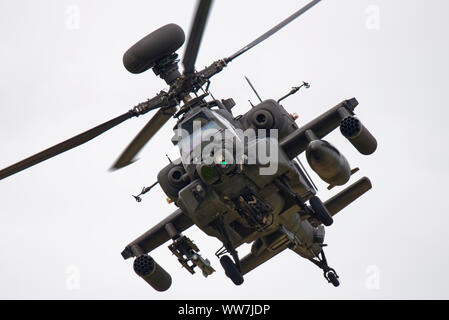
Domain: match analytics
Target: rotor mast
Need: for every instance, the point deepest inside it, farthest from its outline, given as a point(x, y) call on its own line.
point(166, 67)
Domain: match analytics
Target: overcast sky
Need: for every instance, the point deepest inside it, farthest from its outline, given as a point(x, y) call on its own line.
point(64, 222)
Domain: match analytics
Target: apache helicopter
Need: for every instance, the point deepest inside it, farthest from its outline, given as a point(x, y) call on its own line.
point(228, 200)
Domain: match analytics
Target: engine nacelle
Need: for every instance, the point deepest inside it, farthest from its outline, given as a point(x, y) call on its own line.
point(172, 179)
point(269, 115)
point(353, 130)
point(152, 273)
point(328, 162)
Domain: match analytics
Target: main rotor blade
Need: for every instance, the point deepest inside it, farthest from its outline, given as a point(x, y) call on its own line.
point(64, 146)
point(150, 129)
point(196, 33)
point(273, 30)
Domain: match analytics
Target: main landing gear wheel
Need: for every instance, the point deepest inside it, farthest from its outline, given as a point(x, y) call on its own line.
point(231, 270)
point(332, 277)
point(320, 211)
point(329, 273)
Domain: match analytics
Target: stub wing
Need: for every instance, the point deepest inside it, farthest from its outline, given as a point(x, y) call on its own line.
point(157, 235)
point(296, 143)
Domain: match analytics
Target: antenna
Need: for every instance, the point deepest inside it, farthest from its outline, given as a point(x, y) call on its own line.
point(144, 190)
point(294, 90)
point(302, 166)
point(252, 87)
point(169, 160)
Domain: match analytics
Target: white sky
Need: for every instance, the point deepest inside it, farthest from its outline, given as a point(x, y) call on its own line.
point(64, 222)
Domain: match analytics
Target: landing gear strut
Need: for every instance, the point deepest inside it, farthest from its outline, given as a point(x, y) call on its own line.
point(329, 273)
point(232, 268)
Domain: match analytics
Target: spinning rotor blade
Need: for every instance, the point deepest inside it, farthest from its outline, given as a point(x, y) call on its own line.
point(196, 33)
point(64, 146)
point(150, 129)
point(273, 30)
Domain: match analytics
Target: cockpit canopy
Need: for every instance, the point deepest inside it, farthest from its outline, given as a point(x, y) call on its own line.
point(200, 129)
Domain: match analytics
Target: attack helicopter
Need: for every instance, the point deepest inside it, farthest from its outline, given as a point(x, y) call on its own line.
point(229, 192)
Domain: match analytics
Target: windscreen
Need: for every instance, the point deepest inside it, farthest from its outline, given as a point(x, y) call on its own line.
point(193, 131)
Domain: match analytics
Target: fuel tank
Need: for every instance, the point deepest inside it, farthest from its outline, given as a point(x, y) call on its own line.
point(330, 165)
